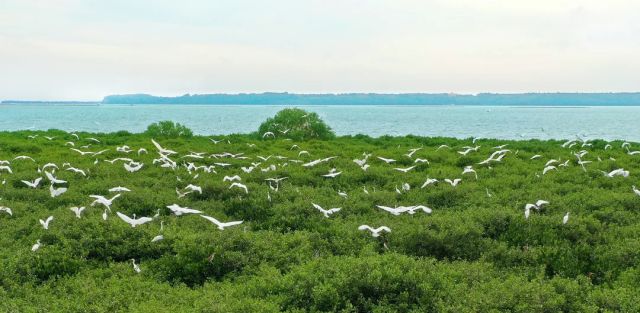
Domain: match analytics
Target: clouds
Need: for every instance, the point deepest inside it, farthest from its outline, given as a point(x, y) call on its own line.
point(76, 50)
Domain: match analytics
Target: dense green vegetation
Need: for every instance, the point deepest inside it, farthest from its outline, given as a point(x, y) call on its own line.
point(544, 99)
point(473, 253)
point(168, 129)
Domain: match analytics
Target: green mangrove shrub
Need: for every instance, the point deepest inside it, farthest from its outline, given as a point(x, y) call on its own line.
point(168, 129)
point(296, 124)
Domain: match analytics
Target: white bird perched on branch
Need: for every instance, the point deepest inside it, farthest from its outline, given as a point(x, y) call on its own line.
point(56, 192)
point(177, 210)
point(454, 182)
point(77, 210)
point(194, 188)
point(135, 267)
point(636, 190)
point(133, 221)
point(104, 201)
point(104, 215)
point(221, 225)
point(45, 224)
point(375, 232)
point(239, 185)
point(36, 246)
point(33, 184)
point(565, 219)
point(326, 212)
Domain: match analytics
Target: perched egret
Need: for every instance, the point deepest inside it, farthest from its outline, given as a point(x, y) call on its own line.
point(104, 215)
point(454, 182)
point(135, 266)
point(36, 246)
point(565, 219)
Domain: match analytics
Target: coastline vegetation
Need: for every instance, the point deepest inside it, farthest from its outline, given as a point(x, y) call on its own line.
point(473, 253)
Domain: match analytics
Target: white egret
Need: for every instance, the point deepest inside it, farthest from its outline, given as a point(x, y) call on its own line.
point(79, 171)
point(565, 219)
point(488, 194)
point(142, 150)
point(406, 187)
point(157, 238)
point(232, 178)
point(83, 152)
point(104, 201)
point(221, 225)
point(53, 179)
point(548, 168)
point(454, 182)
point(500, 147)
point(215, 141)
point(49, 165)
point(24, 157)
point(268, 134)
point(375, 232)
point(6, 209)
point(36, 246)
point(93, 139)
point(566, 163)
point(194, 188)
point(619, 171)
point(70, 143)
point(536, 205)
point(104, 215)
point(429, 181)
point(393, 211)
point(342, 193)
point(332, 175)
point(386, 160)
point(636, 190)
point(421, 161)
point(33, 184)
point(247, 170)
point(133, 168)
point(133, 221)
point(119, 189)
point(404, 169)
point(535, 157)
point(239, 185)
point(56, 192)
point(303, 152)
point(365, 167)
point(178, 211)
point(45, 224)
point(77, 210)
point(326, 212)
point(182, 194)
point(365, 189)
point(162, 150)
point(398, 190)
point(6, 168)
point(443, 146)
point(468, 169)
point(135, 266)
point(312, 163)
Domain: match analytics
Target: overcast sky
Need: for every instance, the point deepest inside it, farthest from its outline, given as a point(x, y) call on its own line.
point(86, 49)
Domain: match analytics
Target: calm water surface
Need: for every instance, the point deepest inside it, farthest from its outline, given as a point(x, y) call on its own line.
point(501, 122)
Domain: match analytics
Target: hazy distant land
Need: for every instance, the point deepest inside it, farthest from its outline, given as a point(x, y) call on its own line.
point(534, 99)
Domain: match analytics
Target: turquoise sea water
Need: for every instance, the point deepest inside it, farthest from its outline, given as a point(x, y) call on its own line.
point(501, 122)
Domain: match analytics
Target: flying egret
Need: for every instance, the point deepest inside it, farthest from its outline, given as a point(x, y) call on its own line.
point(221, 225)
point(119, 189)
point(247, 170)
point(375, 232)
point(104, 201)
point(133, 168)
point(454, 182)
point(6, 168)
point(24, 157)
point(36, 246)
point(53, 179)
point(33, 184)
point(619, 171)
point(56, 192)
point(178, 211)
point(468, 169)
point(268, 134)
point(133, 221)
point(536, 205)
point(548, 168)
point(239, 185)
point(79, 171)
point(162, 150)
point(429, 181)
point(535, 157)
point(326, 212)
point(312, 163)
point(404, 169)
point(386, 160)
point(45, 224)
point(182, 194)
point(443, 146)
point(565, 219)
point(6, 209)
point(421, 161)
point(233, 178)
point(194, 188)
point(342, 193)
point(393, 211)
point(83, 152)
point(77, 210)
point(49, 165)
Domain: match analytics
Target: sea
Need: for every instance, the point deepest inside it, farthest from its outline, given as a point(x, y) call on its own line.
point(500, 122)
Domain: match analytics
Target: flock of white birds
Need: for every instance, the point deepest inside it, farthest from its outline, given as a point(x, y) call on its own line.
point(165, 161)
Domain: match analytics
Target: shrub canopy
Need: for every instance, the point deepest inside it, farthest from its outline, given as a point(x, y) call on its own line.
point(296, 124)
point(168, 129)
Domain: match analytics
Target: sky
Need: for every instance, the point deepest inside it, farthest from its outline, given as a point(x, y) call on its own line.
point(86, 49)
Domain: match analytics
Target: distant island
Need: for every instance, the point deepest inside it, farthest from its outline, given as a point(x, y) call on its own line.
point(285, 98)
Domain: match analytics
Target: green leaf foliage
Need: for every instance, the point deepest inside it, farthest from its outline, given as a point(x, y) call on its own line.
point(473, 253)
point(296, 124)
